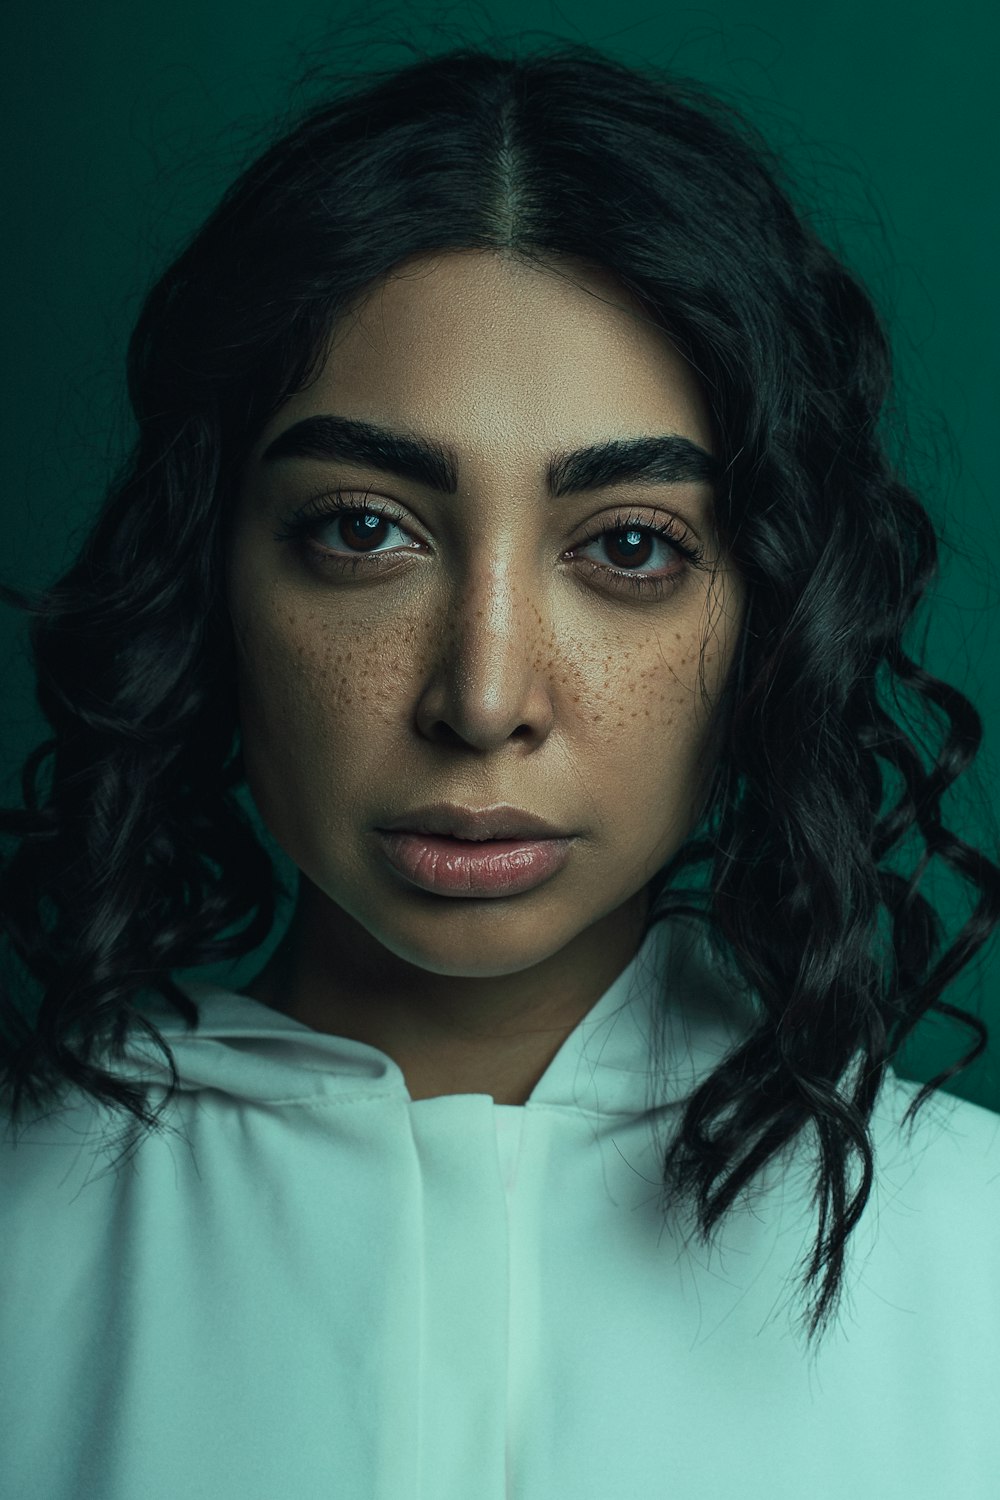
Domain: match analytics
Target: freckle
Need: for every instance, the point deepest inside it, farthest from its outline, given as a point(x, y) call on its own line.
point(634, 716)
point(576, 697)
point(647, 713)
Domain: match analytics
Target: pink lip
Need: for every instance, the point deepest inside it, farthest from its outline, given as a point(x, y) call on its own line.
point(459, 867)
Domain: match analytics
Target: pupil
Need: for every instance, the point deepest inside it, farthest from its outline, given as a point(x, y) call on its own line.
point(367, 524)
point(634, 540)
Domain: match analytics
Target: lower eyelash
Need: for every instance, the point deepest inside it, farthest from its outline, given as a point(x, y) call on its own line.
point(305, 522)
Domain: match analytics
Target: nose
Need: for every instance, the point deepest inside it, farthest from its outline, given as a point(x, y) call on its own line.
point(491, 677)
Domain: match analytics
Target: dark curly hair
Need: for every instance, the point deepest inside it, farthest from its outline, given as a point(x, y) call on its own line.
point(138, 860)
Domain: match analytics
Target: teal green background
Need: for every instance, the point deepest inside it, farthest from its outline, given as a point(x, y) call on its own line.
point(124, 121)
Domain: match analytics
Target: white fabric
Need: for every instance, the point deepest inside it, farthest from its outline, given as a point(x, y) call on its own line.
point(316, 1288)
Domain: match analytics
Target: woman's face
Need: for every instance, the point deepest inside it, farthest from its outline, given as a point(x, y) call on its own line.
point(492, 644)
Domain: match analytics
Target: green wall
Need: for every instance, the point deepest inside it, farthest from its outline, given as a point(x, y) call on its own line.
point(123, 121)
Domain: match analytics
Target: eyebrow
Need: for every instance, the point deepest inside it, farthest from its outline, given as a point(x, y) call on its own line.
point(666, 459)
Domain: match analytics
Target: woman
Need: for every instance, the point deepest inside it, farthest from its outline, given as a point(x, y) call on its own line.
point(511, 511)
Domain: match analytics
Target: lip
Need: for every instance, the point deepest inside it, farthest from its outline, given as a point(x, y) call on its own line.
point(461, 867)
point(501, 821)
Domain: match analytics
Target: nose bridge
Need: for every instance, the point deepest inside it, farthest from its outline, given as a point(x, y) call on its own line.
point(495, 612)
point(489, 683)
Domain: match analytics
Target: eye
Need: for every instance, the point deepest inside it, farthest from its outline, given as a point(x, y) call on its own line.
point(631, 541)
point(360, 531)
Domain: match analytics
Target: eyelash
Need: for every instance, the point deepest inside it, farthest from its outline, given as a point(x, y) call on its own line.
point(304, 522)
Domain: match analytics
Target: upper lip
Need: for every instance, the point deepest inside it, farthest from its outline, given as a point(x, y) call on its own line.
point(498, 822)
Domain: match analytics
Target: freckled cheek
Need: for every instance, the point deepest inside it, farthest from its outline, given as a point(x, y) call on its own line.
point(304, 684)
point(648, 691)
point(658, 725)
point(301, 714)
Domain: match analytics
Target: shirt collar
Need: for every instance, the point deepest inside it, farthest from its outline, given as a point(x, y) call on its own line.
point(675, 991)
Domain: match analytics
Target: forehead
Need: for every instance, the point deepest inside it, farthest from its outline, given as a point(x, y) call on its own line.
point(464, 281)
point(471, 301)
point(484, 351)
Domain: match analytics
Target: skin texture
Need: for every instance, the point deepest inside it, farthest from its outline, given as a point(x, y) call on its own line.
point(488, 667)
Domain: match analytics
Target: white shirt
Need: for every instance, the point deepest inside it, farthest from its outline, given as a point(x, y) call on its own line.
point(316, 1287)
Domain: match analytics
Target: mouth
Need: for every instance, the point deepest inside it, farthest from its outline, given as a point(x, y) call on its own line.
point(454, 838)
point(475, 825)
point(482, 867)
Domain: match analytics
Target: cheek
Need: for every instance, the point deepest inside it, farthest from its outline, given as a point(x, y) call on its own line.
point(320, 709)
point(660, 723)
point(298, 708)
point(648, 693)
point(313, 694)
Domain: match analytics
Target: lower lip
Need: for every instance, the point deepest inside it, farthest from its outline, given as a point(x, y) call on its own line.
point(458, 867)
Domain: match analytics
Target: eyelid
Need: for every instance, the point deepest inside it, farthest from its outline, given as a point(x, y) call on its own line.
point(341, 497)
point(352, 497)
point(626, 515)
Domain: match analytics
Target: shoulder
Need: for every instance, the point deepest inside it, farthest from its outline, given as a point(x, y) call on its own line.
point(943, 1171)
point(949, 1127)
point(47, 1159)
